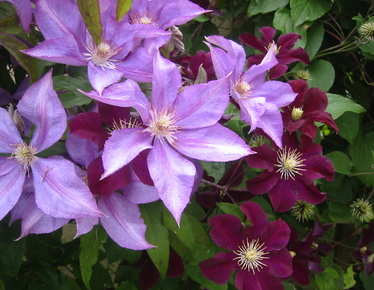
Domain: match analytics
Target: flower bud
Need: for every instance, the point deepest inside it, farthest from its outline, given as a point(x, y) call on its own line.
point(296, 113)
point(361, 210)
point(16, 118)
point(366, 31)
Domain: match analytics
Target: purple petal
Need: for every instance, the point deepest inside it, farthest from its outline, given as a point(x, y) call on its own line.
point(262, 183)
point(226, 231)
point(41, 105)
point(279, 263)
point(276, 235)
point(202, 105)
point(277, 93)
point(34, 221)
point(23, 8)
point(122, 147)
point(123, 222)
point(59, 192)
point(11, 182)
point(166, 82)
point(9, 134)
point(100, 78)
point(219, 268)
point(76, 145)
point(272, 124)
point(173, 176)
point(138, 193)
point(245, 280)
point(85, 224)
point(214, 143)
point(126, 94)
point(61, 50)
point(229, 60)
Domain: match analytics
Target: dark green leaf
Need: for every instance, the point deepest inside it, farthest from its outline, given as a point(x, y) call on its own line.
point(195, 273)
point(157, 235)
point(348, 125)
point(283, 20)
point(325, 280)
point(306, 10)
point(230, 208)
point(90, 244)
point(123, 6)
point(341, 162)
point(90, 11)
point(323, 74)
point(265, 6)
point(339, 105)
point(339, 212)
point(315, 36)
point(214, 169)
point(14, 46)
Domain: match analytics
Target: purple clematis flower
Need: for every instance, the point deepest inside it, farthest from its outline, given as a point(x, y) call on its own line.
point(177, 122)
point(308, 107)
point(284, 54)
point(59, 192)
point(122, 219)
point(259, 100)
point(363, 249)
point(67, 41)
point(290, 172)
point(258, 252)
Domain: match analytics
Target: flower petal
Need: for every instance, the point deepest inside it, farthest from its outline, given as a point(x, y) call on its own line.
point(9, 134)
point(256, 215)
point(202, 105)
point(173, 176)
point(11, 183)
point(59, 192)
point(226, 231)
point(219, 268)
point(276, 235)
point(41, 105)
point(122, 147)
point(123, 222)
point(100, 78)
point(214, 143)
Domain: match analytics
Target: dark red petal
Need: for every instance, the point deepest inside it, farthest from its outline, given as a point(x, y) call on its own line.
point(176, 267)
point(287, 41)
point(309, 129)
point(279, 263)
point(283, 195)
point(255, 59)
point(148, 275)
point(109, 113)
point(245, 280)
point(300, 272)
point(262, 183)
point(276, 235)
point(219, 268)
point(293, 55)
point(255, 213)
point(252, 41)
point(268, 34)
point(318, 167)
point(265, 158)
point(277, 71)
point(226, 231)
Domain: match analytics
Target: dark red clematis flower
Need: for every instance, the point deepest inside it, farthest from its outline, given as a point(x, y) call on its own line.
point(285, 54)
point(306, 253)
point(309, 106)
point(363, 251)
point(258, 252)
point(289, 172)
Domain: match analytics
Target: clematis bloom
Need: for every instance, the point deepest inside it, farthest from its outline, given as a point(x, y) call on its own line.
point(284, 54)
point(59, 192)
point(176, 124)
point(290, 172)
point(258, 252)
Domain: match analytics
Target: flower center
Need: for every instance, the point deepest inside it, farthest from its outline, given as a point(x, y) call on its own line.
point(289, 163)
point(144, 19)
point(24, 155)
point(244, 89)
point(250, 255)
point(296, 113)
point(101, 55)
point(162, 124)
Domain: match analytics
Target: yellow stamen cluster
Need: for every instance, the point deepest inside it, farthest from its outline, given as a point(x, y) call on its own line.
point(101, 55)
point(289, 163)
point(244, 89)
point(296, 113)
point(25, 155)
point(250, 255)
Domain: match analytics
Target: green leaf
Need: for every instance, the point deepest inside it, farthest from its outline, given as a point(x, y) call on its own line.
point(195, 273)
point(90, 244)
point(201, 18)
point(361, 152)
point(349, 279)
point(128, 285)
point(157, 235)
point(325, 280)
point(72, 97)
point(315, 36)
point(90, 11)
point(341, 162)
point(123, 6)
point(282, 20)
point(306, 10)
point(184, 232)
point(368, 281)
point(214, 169)
point(2, 286)
point(339, 105)
point(348, 125)
point(10, 25)
point(265, 6)
point(323, 74)
point(14, 46)
point(230, 208)
point(339, 212)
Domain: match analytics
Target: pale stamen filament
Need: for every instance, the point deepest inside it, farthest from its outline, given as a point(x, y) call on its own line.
point(101, 55)
point(289, 163)
point(24, 155)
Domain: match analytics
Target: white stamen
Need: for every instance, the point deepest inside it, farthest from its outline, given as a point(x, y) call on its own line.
point(289, 163)
point(250, 255)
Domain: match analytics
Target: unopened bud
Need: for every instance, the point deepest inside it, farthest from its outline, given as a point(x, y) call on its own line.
point(16, 118)
point(202, 76)
point(296, 113)
point(366, 31)
point(303, 75)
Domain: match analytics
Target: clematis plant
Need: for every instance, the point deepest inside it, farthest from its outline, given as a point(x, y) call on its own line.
point(59, 192)
point(177, 122)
